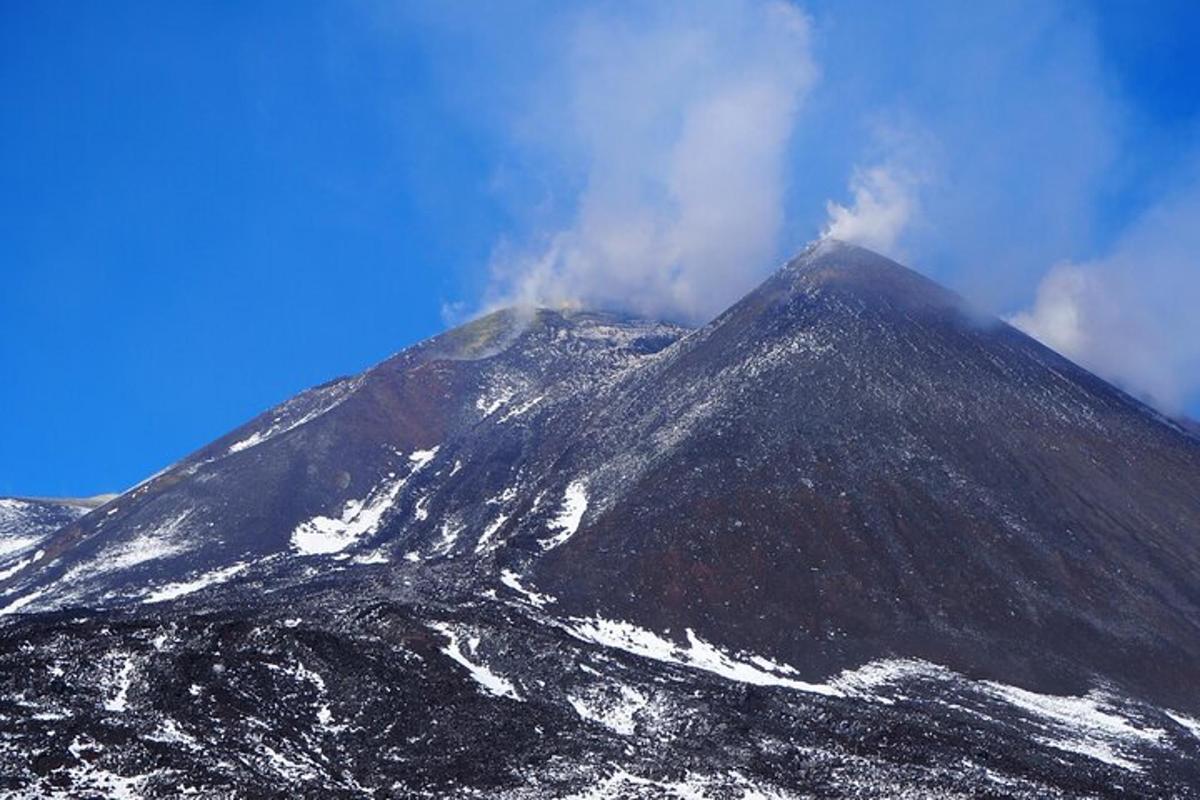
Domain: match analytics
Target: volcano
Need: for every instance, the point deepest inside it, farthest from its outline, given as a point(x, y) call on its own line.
point(850, 538)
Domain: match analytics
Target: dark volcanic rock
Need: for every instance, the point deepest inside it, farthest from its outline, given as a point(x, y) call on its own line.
point(850, 539)
point(849, 462)
point(353, 690)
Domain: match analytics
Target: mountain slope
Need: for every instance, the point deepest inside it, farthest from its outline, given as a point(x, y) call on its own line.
point(848, 539)
point(849, 461)
point(845, 464)
point(346, 466)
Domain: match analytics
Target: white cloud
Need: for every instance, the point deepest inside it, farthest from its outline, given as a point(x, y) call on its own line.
point(682, 122)
point(1059, 316)
point(1131, 316)
point(885, 202)
point(659, 157)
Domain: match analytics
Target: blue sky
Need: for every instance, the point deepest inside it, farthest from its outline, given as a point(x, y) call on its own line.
point(209, 207)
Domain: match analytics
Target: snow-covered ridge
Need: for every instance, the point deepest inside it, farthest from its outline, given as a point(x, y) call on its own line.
point(26, 524)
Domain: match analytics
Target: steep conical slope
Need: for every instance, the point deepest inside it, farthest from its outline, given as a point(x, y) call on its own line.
point(849, 462)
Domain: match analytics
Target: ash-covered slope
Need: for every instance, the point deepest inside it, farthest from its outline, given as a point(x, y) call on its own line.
point(849, 462)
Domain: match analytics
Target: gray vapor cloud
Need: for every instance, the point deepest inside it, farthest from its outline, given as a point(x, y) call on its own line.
point(659, 158)
point(682, 120)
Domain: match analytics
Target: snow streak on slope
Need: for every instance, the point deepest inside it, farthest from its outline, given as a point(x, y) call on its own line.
point(1191, 725)
point(490, 681)
point(172, 591)
point(1089, 725)
point(513, 581)
point(574, 504)
point(698, 654)
point(484, 538)
point(168, 539)
point(359, 518)
point(22, 602)
point(298, 411)
point(14, 568)
point(1092, 725)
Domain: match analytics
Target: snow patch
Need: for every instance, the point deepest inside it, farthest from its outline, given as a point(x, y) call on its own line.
point(513, 581)
point(868, 681)
point(119, 701)
point(169, 732)
point(698, 654)
point(21, 602)
point(490, 402)
point(450, 531)
point(171, 591)
point(519, 410)
point(421, 509)
point(489, 532)
point(615, 711)
point(1087, 725)
point(421, 458)
point(574, 503)
point(286, 767)
point(323, 535)
point(490, 681)
point(374, 557)
point(621, 784)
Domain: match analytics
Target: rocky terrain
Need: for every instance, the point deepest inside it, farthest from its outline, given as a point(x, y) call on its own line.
point(849, 539)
